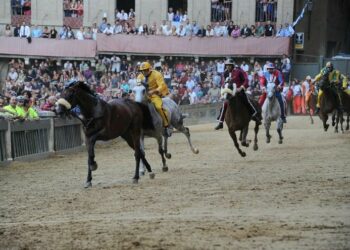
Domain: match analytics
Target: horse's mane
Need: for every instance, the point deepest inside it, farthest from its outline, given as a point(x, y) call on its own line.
point(86, 88)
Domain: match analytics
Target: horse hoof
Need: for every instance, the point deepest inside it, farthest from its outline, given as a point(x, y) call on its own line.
point(196, 151)
point(88, 184)
point(267, 140)
point(135, 181)
point(168, 155)
point(336, 131)
point(93, 166)
point(255, 147)
point(151, 175)
point(326, 127)
point(165, 169)
point(280, 142)
point(243, 154)
point(245, 144)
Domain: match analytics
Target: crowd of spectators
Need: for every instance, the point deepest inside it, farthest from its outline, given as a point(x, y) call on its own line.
point(177, 24)
point(111, 77)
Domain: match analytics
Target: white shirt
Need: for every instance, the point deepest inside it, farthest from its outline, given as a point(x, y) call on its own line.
point(24, 31)
point(306, 85)
point(297, 90)
point(245, 67)
point(80, 35)
point(108, 30)
point(220, 67)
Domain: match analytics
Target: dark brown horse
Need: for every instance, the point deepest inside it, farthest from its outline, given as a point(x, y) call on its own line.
point(238, 117)
point(336, 118)
point(105, 121)
point(328, 102)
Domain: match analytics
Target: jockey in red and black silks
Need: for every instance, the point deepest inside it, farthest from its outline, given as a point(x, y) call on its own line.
point(240, 78)
point(274, 76)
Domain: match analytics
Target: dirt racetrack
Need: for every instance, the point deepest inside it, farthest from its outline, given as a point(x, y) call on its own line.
point(290, 196)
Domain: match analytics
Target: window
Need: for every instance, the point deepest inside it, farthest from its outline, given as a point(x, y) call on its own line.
point(177, 11)
point(221, 10)
point(73, 12)
point(21, 11)
point(266, 10)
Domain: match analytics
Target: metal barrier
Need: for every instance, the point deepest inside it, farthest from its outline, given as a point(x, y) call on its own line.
point(221, 10)
point(29, 138)
point(3, 130)
point(67, 134)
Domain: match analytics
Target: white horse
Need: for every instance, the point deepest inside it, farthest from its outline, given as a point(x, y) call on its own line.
point(271, 111)
point(175, 121)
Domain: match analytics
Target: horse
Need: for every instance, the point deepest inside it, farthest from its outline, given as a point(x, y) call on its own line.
point(105, 121)
point(271, 111)
point(311, 105)
point(237, 117)
point(336, 115)
point(328, 103)
point(176, 121)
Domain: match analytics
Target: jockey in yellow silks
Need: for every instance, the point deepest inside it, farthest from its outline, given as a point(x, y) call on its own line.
point(156, 88)
point(335, 78)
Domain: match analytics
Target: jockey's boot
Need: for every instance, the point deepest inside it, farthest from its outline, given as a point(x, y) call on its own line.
point(219, 126)
point(284, 120)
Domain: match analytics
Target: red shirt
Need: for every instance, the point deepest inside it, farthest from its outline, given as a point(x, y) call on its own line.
point(239, 77)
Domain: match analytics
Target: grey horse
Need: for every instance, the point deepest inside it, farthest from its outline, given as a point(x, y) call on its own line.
point(271, 111)
point(175, 120)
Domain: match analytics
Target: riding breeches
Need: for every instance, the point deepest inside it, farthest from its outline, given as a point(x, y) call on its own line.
point(158, 104)
point(223, 109)
point(280, 101)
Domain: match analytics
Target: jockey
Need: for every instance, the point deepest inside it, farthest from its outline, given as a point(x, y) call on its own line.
point(240, 78)
point(275, 76)
point(157, 89)
point(335, 78)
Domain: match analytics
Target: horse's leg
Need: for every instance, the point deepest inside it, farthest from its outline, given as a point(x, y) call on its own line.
point(186, 132)
point(341, 120)
point(92, 165)
point(324, 120)
point(335, 116)
point(142, 145)
point(347, 121)
point(234, 138)
point(147, 165)
point(267, 125)
point(161, 152)
point(244, 133)
point(240, 136)
point(279, 130)
point(256, 130)
point(167, 155)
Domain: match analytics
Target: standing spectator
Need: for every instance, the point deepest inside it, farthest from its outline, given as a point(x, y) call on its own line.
point(260, 30)
point(245, 31)
point(245, 67)
point(220, 67)
point(15, 7)
point(94, 31)
point(80, 8)
point(46, 33)
point(103, 25)
point(36, 32)
point(297, 96)
point(236, 32)
point(88, 35)
point(131, 15)
point(116, 63)
point(80, 33)
point(24, 30)
point(286, 67)
point(306, 92)
point(66, 8)
point(170, 14)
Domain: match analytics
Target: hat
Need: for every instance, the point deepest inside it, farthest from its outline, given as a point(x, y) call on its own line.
point(229, 62)
point(270, 66)
point(308, 78)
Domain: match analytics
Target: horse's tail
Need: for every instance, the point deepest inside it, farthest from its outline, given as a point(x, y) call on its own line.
point(147, 122)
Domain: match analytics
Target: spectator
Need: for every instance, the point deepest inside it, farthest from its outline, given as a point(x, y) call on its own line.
point(108, 30)
point(103, 25)
point(131, 15)
point(53, 33)
point(8, 31)
point(181, 31)
point(214, 93)
point(30, 113)
point(236, 32)
point(80, 34)
point(16, 31)
point(66, 8)
point(209, 31)
point(124, 16)
point(49, 105)
point(15, 7)
point(245, 67)
point(260, 30)
point(12, 75)
point(253, 30)
point(24, 30)
point(286, 67)
point(217, 30)
point(37, 32)
point(245, 31)
point(11, 107)
point(116, 63)
point(269, 29)
point(45, 33)
point(195, 28)
point(88, 34)
point(170, 14)
point(202, 32)
point(297, 96)
point(70, 33)
point(94, 30)
point(80, 8)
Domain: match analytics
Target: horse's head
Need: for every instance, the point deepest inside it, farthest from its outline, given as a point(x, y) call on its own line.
point(270, 90)
point(140, 93)
point(68, 98)
point(228, 91)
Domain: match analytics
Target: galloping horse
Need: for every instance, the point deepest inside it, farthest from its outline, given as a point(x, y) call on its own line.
point(238, 117)
point(335, 116)
point(105, 121)
point(271, 111)
point(176, 121)
point(328, 103)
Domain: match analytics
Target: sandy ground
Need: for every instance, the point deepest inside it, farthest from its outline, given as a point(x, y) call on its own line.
point(290, 196)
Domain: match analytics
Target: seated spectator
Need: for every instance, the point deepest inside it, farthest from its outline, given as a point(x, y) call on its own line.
point(244, 67)
point(88, 35)
point(131, 15)
point(245, 31)
point(260, 30)
point(217, 29)
point(36, 32)
point(279, 32)
point(12, 75)
point(24, 30)
point(63, 34)
point(16, 30)
point(210, 31)
point(202, 32)
point(253, 30)
point(269, 29)
point(108, 30)
point(80, 34)
point(236, 32)
point(153, 29)
point(123, 16)
point(8, 31)
point(103, 25)
point(214, 93)
point(127, 29)
point(53, 33)
point(70, 33)
point(45, 33)
point(181, 32)
point(49, 104)
point(195, 28)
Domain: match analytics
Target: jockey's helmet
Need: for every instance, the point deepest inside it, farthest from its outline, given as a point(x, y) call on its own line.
point(145, 66)
point(270, 66)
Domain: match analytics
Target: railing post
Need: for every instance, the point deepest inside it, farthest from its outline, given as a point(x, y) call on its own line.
point(8, 142)
point(52, 135)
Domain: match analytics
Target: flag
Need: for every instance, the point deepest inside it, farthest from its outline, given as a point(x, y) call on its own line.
point(300, 16)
